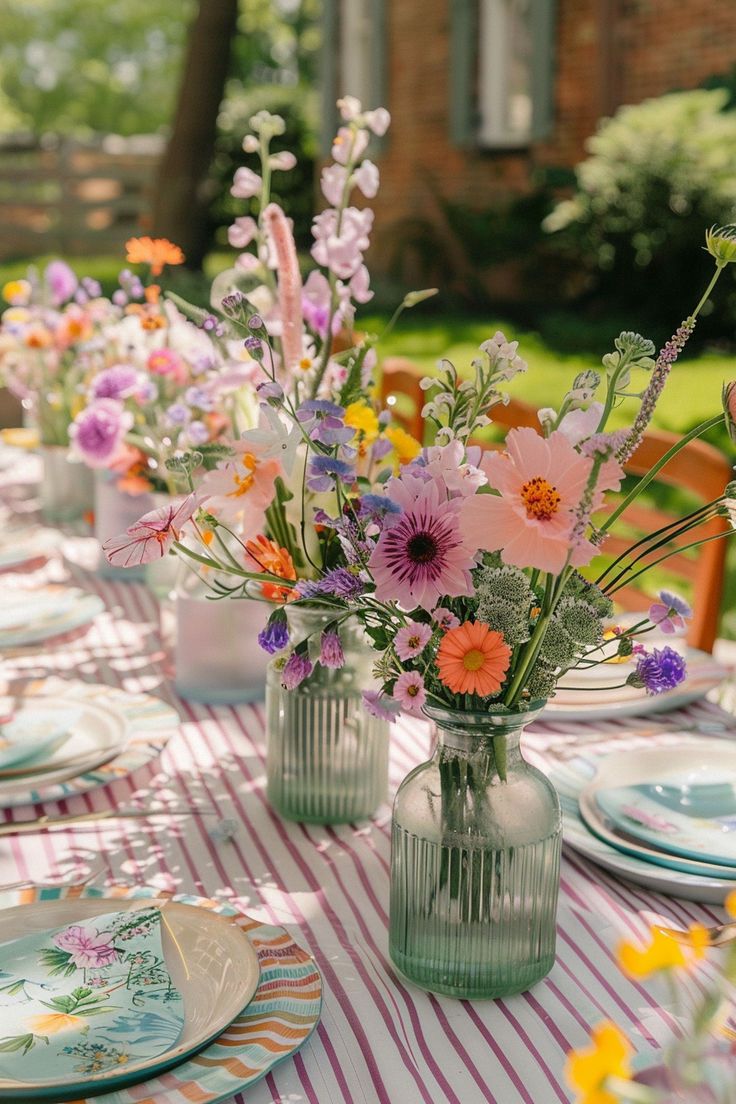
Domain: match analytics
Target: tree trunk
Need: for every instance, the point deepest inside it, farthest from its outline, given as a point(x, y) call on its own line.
point(180, 202)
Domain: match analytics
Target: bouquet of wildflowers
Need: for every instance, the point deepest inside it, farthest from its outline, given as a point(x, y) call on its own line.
point(697, 1066)
point(161, 386)
point(51, 342)
point(264, 513)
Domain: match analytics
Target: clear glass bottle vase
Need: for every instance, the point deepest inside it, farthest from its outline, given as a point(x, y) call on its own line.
point(475, 862)
point(327, 756)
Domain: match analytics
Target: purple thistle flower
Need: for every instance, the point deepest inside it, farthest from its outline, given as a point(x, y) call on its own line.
point(661, 670)
point(342, 583)
point(298, 667)
point(117, 382)
point(667, 357)
point(331, 653)
point(274, 637)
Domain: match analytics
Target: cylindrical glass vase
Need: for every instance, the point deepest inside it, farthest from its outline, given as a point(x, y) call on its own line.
point(327, 757)
point(67, 489)
point(475, 862)
point(217, 657)
point(115, 511)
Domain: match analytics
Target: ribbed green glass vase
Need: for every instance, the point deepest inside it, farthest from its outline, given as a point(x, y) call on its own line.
point(475, 862)
point(327, 756)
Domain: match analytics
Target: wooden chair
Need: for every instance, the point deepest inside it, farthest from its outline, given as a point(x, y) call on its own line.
point(698, 469)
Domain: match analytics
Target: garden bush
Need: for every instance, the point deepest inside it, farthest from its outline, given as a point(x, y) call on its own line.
point(658, 173)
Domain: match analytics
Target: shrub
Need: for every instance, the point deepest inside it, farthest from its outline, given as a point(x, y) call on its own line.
point(658, 174)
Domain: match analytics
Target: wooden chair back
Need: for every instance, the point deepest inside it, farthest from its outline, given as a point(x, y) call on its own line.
point(699, 469)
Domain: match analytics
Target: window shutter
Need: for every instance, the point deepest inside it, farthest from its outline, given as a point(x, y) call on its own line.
point(329, 62)
point(463, 65)
point(543, 14)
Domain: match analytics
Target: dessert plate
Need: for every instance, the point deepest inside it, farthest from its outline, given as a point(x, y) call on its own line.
point(211, 963)
point(282, 1014)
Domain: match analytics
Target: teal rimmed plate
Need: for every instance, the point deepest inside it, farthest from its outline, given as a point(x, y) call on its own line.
point(279, 1019)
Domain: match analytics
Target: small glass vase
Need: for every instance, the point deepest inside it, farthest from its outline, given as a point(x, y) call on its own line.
point(115, 511)
point(475, 861)
point(67, 489)
point(327, 757)
point(217, 657)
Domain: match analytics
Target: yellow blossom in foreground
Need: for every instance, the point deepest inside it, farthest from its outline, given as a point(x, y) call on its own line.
point(663, 953)
point(52, 1023)
point(731, 903)
point(588, 1070)
point(406, 447)
point(17, 292)
point(363, 419)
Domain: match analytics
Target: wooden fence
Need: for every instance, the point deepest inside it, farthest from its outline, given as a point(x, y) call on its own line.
point(74, 197)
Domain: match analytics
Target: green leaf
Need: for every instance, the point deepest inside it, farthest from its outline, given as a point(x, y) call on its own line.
point(19, 1042)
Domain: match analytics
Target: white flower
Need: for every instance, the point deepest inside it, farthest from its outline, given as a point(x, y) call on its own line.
point(274, 438)
point(378, 121)
point(251, 144)
point(349, 107)
point(367, 178)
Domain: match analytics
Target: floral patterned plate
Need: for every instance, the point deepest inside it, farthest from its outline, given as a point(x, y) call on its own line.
point(150, 723)
point(279, 1019)
point(150, 981)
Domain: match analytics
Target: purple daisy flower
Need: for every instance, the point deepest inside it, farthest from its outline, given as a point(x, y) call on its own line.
point(661, 670)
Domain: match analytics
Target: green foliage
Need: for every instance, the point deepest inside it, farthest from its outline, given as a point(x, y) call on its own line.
point(657, 174)
point(74, 66)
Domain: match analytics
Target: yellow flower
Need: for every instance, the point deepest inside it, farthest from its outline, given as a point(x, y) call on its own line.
point(363, 419)
point(17, 292)
point(731, 903)
point(19, 315)
point(52, 1023)
point(406, 447)
point(663, 953)
point(588, 1070)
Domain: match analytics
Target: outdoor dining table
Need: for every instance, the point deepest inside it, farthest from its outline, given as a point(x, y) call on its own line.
point(380, 1039)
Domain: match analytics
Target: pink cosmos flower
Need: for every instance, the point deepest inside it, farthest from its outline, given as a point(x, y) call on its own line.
point(409, 691)
point(445, 618)
point(87, 949)
point(540, 484)
point(165, 362)
point(422, 554)
point(151, 537)
point(412, 639)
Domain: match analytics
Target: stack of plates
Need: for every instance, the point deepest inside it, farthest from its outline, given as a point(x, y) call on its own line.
point(249, 998)
point(29, 616)
point(21, 545)
point(664, 816)
point(596, 693)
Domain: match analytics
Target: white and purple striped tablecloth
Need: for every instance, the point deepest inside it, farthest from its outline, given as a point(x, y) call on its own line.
point(380, 1041)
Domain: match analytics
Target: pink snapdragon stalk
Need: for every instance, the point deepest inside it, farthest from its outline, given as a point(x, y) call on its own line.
point(289, 284)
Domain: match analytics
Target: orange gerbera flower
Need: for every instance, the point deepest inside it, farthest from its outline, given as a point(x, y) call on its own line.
point(156, 252)
point(270, 557)
point(473, 659)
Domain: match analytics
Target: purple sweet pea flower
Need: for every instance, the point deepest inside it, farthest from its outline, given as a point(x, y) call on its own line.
point(118, 382)
point(670, 612)
point(274, 637)
point(331, 653)
point(378, 705)
point(61, 282)
point(661, 670)
point(297, 668)
point(270, 390)
point(324, 471)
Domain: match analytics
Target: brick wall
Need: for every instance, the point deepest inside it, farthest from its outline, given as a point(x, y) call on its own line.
point(608, 52)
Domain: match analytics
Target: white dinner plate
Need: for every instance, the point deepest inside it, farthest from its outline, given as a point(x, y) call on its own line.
point(211, 962)
point(20, 545)
point(98, 733)
point(27, 617)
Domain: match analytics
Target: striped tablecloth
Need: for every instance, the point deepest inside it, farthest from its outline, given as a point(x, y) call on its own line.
point(379, 1040)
